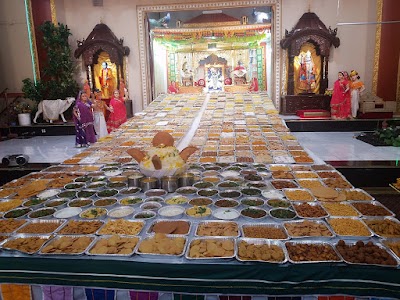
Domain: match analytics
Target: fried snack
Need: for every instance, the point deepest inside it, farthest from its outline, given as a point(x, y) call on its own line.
point(27, 244)
point(207, 248)
point(9, 205)
point(306, 210)
point(218, 229)
point(307, 228)
point(121, 226)
point(394, 245)
point(306, 174)
point(358, 195)
point(348, 226)
point(386, 227)
point(338, 183)
point(365, 253)
point(6, 192)
point(115, 245)
point(328, 194)
point(8, 226)
point(81, 227)
point(299, 252)
point(298, 195)
point(33, 188)
point(162, 244)
point(369, 209)
point(68, 245)
point(340, 209)
point(264, 232)
point(264, 252)
point(309, 183)
point(40, 227)
point(279, 168)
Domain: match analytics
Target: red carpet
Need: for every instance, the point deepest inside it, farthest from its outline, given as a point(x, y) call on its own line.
point(313, 114)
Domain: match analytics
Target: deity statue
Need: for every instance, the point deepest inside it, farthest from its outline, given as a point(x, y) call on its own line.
point(106, 81)
point(307, 71)
point(214, 79)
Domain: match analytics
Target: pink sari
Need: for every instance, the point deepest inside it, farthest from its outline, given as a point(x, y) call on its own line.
point(118, 116)
point(341, 101)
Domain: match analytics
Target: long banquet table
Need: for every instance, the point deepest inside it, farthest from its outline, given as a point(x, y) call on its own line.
point(228, 129)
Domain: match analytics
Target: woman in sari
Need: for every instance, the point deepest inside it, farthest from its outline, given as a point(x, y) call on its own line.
point(83, 119)
point(118, 112)
point(341, 101)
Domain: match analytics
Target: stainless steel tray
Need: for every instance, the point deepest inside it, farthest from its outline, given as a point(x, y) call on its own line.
point(260, 242)
point(375, 203)
point(295, 204)
point(314, 243)
point(355, 236)
point(390, 219)
point(317, 222)
point(223, 223)
point(273, 225)
point(156, 255)
point(214, 239)
point(104, 237)
point(352, 243)
point(22, 221)
point(370, 198)
point(60, 230)
point(45, 238)
point(150, 230)
point(391, 240)
point(302, 190)
point(68, 238)
point(100, 231)
point(60, 222)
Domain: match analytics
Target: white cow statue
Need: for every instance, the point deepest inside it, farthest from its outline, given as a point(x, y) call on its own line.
point(51, 109)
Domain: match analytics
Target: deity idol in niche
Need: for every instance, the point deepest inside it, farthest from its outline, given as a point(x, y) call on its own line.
point(186, 74)
point(106, 81)
point(306, 71)
point(214, 79)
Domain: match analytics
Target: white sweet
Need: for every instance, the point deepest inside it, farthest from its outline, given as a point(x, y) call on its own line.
point(67, 212)
point(226, 214)
point(171, 211)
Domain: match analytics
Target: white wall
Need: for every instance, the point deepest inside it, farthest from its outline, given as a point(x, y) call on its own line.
point(15, 58)
point(355, 52)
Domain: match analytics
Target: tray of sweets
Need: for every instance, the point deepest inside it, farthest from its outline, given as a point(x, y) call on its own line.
point(67, 245)
point(211, 248)
point(337, 183)
point(10, 225)
point(217, 228)
point(310, 210)
point(41, 226)
point(261, 250)
point(298, 195)
point(365, 253)
point(349, 227)
point(329, 174)
point(114, 245)
point(25, 243)
point(161, 245)
point(372, 209)
point(387, 227)
point(308, 229)
point(77, 227)
point(305, 174)
point(309, 183)
point(176, 227)
point(311, 252)
point(271, 231)
point(356, 195)
point(121, 226)
point(280, 184)
point(342, 209)
point(393, 244)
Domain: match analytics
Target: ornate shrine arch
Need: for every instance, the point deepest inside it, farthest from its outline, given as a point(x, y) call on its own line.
point(144, 55)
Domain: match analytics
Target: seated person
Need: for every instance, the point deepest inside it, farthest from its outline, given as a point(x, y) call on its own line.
point(173, 88)
point(239, 74)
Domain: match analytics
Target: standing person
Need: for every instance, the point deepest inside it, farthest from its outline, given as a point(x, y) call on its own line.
point(83, 119)
point(99, 106)
point(340, 102)
point(357, 87)
point(118, 112)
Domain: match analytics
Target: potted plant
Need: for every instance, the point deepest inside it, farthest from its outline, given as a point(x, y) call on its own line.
point(23, 111)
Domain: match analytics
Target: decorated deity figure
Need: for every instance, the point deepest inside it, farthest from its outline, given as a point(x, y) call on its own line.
point(106, 81)
point(214, 79)
point(307, 71)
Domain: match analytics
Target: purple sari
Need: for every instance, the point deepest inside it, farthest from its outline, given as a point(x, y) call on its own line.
point(84, 123)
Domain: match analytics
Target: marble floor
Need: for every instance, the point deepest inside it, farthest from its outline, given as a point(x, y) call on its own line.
point(327, 146)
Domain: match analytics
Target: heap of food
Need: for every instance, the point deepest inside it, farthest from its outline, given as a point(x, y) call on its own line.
point(163, 158)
